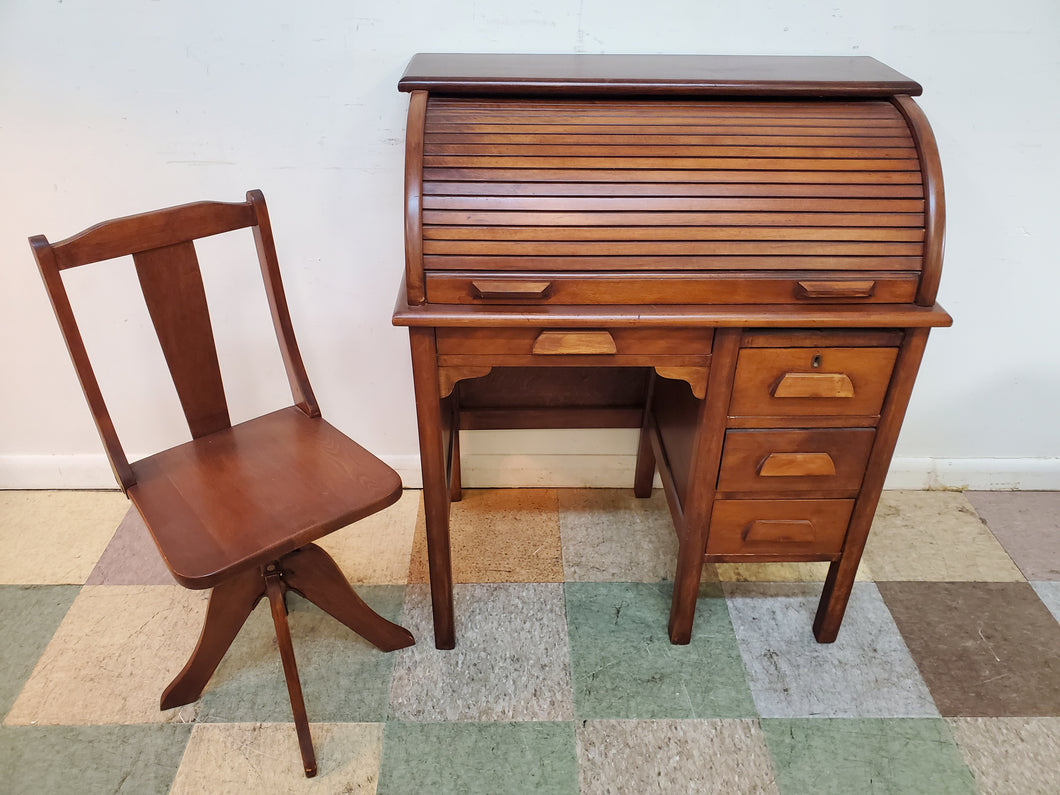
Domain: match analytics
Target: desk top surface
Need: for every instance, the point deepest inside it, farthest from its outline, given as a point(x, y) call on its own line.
point(668, 75)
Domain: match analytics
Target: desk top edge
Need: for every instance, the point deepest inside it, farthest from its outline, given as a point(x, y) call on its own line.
point(655, 75)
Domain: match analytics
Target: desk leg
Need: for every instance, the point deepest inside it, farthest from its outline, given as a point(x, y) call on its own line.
point(702, 476)
point(435, 487)
point(840, 579)
point(644, 474)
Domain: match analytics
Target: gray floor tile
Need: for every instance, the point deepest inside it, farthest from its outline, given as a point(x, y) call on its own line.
point(609, 535)
point(867, 672)
point(1049, 592)
point(510, 660)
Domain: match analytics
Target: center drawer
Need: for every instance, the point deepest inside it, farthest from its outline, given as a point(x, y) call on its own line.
point(819, 460)
point(554, 345)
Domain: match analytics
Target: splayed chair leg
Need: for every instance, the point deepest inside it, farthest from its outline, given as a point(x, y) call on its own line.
point(230, 605)
point(311, 572)
point(274, 588)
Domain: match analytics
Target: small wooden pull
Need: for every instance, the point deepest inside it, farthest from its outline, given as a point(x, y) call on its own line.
point(814, 385)
point(838, 289)
point(482, 288)
point(795, 465)
point(784, 530)
point(570, 342)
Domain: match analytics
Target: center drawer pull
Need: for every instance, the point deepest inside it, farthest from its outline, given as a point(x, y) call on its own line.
point(789, 530)
point(797, 465)
point(570, 342)
point(814, 385)
point(837, 289)
point(484, 288)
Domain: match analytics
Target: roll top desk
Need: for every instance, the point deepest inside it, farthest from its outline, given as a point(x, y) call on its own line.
point(738, 256)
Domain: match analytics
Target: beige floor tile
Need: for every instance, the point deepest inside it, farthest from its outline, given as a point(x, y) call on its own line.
point(674, 756)
point(1010, 755)
point(377, 550)
point(112, 656)
point(252, 757)
point(781, 572)
point(934, 536)
point(499, 535)
point(55, 537)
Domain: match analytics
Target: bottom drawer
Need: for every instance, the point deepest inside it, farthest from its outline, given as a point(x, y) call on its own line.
point(776, 528)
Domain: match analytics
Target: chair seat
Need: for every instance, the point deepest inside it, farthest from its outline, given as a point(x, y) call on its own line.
point(246, 495)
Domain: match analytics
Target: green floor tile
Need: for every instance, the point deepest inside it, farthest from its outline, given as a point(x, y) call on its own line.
point(344, 678)
point(844, 755)
point(624, 666)
point(470, 758)
point(30, 617)
point(87, 759)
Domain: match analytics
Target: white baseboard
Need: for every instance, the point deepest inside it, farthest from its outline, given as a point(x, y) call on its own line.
point(577, 470)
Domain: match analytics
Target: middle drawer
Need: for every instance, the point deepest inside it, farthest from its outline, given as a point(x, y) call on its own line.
point(818, 460)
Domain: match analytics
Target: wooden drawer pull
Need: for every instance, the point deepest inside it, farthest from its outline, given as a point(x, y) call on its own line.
point(847, 289)
point(814, 385)
point(789, 530)
point(795, 465)
point(482, 288)
point(570, 342)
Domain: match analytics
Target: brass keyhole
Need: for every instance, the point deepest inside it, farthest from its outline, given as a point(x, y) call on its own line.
point(816, 361)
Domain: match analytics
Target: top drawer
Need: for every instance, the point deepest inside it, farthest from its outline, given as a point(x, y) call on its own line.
point(807, 382)
point(828, 191)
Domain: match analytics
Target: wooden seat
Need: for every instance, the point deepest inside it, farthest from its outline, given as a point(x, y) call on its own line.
point(236, 508)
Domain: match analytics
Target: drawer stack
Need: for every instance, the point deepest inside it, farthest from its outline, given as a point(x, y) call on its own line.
point(801, 426)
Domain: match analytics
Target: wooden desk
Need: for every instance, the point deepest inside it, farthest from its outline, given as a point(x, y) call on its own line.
point(739, 256)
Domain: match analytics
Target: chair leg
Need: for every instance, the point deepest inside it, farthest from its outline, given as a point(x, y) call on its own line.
point(311, 572)
point(230, 605)
point(274, 587)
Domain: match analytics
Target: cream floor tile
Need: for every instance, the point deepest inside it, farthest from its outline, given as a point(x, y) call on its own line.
point(934, 536)
point(1010, 755)
point(238, 758)
point(376, 550)
point(499, 535)
point(55, 537)
point(112, 656)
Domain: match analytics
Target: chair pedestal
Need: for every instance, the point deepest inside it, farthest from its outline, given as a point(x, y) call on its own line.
point(309, 572)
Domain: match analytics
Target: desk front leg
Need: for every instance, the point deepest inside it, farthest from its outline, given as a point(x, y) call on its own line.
point(433, 422)
point(698, 500)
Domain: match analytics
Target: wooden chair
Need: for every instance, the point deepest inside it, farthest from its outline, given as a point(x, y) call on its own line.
point(237, 507)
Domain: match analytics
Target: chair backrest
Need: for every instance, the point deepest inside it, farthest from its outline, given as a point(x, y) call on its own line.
point(162, 247)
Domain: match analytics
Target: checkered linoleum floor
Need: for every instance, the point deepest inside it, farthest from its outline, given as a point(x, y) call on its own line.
point(945, 677)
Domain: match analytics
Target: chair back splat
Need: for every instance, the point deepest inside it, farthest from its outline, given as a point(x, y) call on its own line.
point(237, 508)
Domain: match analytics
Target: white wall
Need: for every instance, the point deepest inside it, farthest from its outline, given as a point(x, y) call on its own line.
point(118, 106)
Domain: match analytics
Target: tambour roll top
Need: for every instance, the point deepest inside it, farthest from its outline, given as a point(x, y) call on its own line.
point(703, 192)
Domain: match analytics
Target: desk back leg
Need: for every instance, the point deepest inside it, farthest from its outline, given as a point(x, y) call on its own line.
point(433, 448)
point(644, 474)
